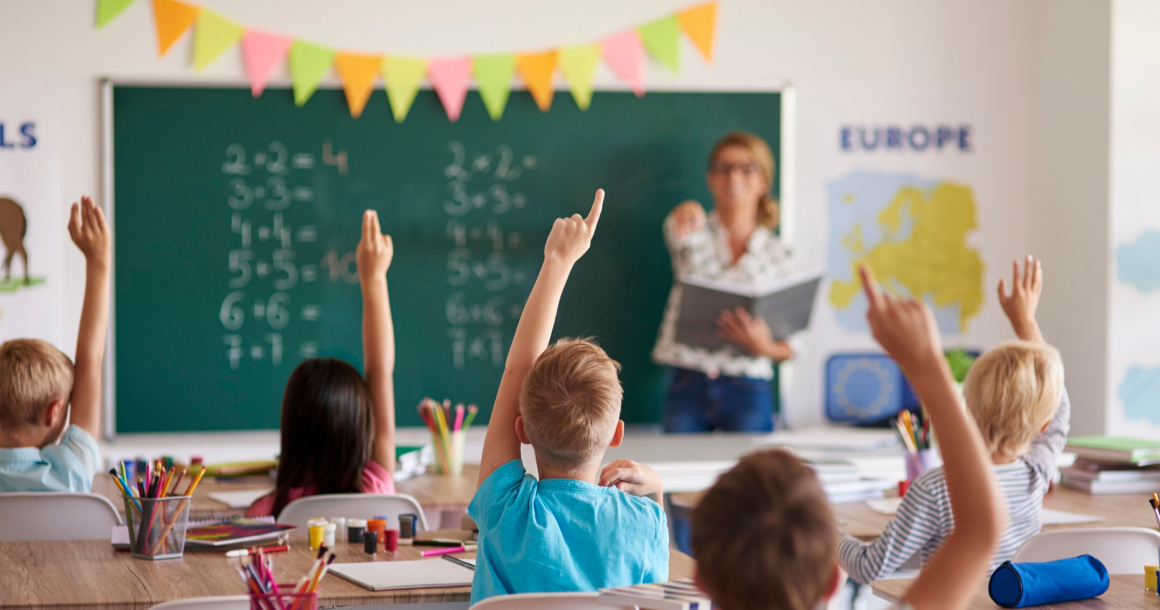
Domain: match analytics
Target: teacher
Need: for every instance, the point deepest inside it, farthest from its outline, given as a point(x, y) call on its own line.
point(730, 388)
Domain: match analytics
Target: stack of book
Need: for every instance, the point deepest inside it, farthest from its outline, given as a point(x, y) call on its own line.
point(412, 460)
point(1113, 465)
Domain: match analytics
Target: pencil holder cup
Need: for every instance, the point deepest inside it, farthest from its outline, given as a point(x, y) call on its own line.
point(274, 601)
point(449, 453)
point(918, 463)
point(157, 526)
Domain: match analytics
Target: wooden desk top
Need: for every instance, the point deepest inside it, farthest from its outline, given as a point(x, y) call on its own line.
point(34, 575)
point(433, 492)
point(1126, 591)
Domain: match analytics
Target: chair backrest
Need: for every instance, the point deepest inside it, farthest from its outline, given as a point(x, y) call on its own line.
point(1122, 550)
point(545, 601)
point(358, 506)
point(233, 602)
point(56, 515)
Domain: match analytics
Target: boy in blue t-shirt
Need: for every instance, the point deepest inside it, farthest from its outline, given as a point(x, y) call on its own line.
point(38, 382)
point(576, 528)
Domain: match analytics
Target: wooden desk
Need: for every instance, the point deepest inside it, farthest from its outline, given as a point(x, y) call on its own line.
point(435, 493)
point(1126, 591)
point(90, 575)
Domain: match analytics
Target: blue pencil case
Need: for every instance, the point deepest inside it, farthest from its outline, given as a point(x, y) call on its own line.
point(1018, 585)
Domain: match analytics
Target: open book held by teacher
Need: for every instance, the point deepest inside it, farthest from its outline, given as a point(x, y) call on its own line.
point(785, 305)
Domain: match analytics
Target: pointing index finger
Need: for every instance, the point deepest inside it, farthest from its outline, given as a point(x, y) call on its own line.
point(597, 208)
point(870, 285)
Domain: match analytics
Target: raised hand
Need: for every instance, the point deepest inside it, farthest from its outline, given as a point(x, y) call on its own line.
point(375, 250)
point(631, 478)
point(905, 328)
point(570, 237)
point(688, 218)
point(89, 231)
point(1021, 303)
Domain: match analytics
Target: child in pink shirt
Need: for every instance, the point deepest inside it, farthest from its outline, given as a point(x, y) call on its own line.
point(338, 430)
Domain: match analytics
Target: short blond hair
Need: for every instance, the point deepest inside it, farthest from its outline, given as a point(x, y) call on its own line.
point(764, 535)
point(570, 402)
point(33, 374)
point(1012, 391)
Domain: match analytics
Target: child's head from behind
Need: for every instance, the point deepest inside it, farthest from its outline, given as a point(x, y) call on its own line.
point(35, 378)
point(764, 536)
point(1013, 391)
point(570, 403)
point(327, 429)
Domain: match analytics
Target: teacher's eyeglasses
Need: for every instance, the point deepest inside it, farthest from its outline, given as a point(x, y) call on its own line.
point(725, 169)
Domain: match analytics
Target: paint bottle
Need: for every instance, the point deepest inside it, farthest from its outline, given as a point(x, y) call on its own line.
point(328, 535)
point(370, 543)
point(340, 524)
point(317, 531)
point(406, 527)
point(355, 529)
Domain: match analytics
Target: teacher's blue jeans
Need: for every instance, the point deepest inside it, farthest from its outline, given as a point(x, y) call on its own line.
point(696, 403)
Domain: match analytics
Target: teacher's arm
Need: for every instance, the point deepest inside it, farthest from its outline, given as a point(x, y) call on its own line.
point(752, 334)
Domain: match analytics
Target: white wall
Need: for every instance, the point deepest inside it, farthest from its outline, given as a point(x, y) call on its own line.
point(1018, 58)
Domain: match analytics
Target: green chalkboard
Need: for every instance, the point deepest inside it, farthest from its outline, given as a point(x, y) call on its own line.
point(236, 221)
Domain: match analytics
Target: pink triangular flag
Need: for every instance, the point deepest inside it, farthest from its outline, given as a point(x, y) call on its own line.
point(261, 53)
point(624, 54)
point(449, 77)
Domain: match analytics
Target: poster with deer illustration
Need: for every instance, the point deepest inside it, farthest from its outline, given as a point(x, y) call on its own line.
point(32, 220)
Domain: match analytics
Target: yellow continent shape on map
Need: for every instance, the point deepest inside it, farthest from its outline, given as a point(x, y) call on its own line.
point(933, 260)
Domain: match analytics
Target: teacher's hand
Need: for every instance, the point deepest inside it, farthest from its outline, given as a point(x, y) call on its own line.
point(752, 334)
point(688, 218)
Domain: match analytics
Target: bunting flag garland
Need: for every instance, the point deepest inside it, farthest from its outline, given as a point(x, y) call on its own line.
point(662, 38)
point(212, 35)
point(108, 9)
point(171, 19)
point(493, 75)
point(537, 69)
point(358, 74)
point(309, 63)
point(700, 25)
point(404, 76)
point(623, 54)
point(261, 53)
point(449, 77)
point(578, 65)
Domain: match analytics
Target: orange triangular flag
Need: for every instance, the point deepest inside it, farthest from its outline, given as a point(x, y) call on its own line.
point(700, 25)
point(358, 78)
point(172, 19)
point(537, 70)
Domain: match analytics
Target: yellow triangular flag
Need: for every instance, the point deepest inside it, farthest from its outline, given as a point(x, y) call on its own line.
point(171, 19)
point(578, 65)
point(537, 70)
point(358, 78)
point(403, 75)
point(700, 25)
point(212, 35)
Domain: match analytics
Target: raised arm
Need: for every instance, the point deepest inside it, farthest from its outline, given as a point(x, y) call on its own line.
point(374, 254)
point(90, 233)
point(568, 241)
point(906, 329)
point(1020, 305)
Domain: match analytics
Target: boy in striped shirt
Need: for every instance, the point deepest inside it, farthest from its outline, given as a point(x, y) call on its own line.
point(1015, 394)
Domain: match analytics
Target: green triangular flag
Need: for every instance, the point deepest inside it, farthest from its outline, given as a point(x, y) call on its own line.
point(578, 64)
point(493, 74)
point(309, 63)
point(212, 35)
point(403, 75)
point(107, 9)
point(662, 38)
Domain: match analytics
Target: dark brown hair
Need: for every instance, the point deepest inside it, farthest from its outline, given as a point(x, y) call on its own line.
point(327, 430)
point(768, 209)
point(764, 536)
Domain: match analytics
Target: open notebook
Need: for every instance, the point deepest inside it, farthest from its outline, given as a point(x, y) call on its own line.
point(388, 575)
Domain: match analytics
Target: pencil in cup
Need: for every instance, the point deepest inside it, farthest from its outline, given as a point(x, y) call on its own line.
point(284, 598)
point(158, 530)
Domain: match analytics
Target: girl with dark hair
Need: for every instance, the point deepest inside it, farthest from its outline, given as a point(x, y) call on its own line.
point(338, 430)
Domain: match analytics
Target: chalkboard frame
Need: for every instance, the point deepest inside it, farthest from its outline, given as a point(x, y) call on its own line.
point(785, 155)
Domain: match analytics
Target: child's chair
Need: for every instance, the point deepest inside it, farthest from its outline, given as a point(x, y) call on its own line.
point(56, 515)
point(545, 601)
point(1122, 550)
point(358, 506)
point(233, 602)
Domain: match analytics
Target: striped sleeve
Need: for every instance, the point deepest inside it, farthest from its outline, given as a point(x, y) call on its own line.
point(922, 520)
point(1045, 448)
